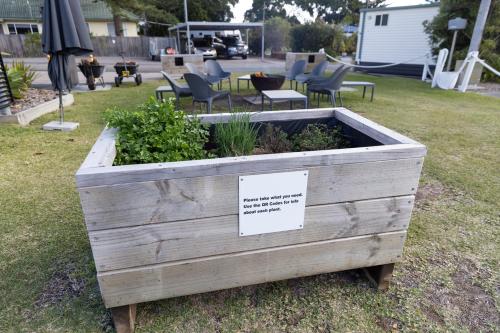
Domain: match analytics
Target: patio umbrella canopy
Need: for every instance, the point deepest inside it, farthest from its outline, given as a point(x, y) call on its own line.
point(64, 33)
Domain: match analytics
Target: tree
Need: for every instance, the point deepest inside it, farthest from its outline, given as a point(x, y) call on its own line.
point(170, 11)
point(331, 11)
point(338, 11)
point(440, 37)
point(275, 8)
point(117, 8)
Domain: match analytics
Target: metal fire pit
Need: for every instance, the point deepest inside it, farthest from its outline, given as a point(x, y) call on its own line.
point(267, 82)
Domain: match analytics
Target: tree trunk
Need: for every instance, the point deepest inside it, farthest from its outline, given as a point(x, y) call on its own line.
point(117, 20)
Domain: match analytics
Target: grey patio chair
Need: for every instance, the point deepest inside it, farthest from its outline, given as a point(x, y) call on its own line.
point(213, 68)
point(317, 72)
point(202, 93)
point(180, 90)
point(318, 79)
point(194, 70)
point(330, 86)
point(298, 68)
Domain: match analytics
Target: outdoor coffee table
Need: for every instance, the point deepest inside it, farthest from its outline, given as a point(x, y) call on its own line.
point(283, 95)
point(161, 90)
point(243, 78)
point(363, 84)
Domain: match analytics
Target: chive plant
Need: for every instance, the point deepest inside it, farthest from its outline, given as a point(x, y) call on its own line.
point(237, 137)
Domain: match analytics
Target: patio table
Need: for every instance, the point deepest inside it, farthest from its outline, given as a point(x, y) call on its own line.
point(283, 95)
point(243, 78)
point(363, 84)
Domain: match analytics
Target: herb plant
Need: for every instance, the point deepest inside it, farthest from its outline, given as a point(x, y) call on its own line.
point(237, 137)
point(155, 132)
point(274, 140)
point(319, 137)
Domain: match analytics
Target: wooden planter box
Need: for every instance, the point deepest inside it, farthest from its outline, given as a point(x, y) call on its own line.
point(169, 229)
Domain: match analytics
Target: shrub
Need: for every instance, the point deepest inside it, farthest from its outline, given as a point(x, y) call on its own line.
point(274, 140)
point(155, 132)
point(311, 37)
point(276, 36)
point(236, 137)
point(33, 45)
point(20, 78)
point(319, 137)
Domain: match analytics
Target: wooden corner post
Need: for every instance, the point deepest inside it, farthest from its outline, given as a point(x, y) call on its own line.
point(124, 318)
point(380, 276)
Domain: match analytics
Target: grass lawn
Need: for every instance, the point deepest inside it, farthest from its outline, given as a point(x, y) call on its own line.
point(447, 281)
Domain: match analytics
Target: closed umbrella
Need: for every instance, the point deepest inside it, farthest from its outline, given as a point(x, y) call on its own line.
point(64, 33)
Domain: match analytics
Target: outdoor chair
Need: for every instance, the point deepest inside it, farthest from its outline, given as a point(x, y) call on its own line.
point(330, 87)
point(180, 90)
point(317, 72)
point(298, 68)
point(209, 78)
point(214, 69)
point(202, 93)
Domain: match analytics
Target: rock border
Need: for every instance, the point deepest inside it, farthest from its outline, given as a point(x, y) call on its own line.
point(24, 117)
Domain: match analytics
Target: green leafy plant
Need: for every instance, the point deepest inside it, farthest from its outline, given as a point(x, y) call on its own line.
point(20, 77)
point(274, 140)
point(155, 132)
point(237, 137)
point(319, 137)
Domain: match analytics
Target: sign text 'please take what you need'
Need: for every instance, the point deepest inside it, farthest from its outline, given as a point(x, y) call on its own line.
point(272, 202)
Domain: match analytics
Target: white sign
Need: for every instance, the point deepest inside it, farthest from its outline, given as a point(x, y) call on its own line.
point(272, 202)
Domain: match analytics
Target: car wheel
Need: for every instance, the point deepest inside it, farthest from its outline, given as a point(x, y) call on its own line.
point(244, 57)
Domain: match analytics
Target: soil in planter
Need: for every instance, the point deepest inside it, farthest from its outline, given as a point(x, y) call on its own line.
point(299, 135)
point(32, 97)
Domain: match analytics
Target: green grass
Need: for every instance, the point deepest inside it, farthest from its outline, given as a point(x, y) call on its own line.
point(447, 281)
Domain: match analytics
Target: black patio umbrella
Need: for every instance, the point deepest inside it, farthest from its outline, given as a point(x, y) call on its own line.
point(64, 33)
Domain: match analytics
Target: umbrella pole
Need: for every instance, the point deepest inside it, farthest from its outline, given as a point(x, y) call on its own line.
point(61, 108)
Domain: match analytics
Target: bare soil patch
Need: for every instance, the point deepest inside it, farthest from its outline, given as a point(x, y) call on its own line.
point(62, 284)
point(32, 97)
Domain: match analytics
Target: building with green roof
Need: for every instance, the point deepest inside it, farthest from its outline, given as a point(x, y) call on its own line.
point(24, 16)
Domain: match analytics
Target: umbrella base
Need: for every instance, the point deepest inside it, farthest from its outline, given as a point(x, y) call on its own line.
point(58, 126)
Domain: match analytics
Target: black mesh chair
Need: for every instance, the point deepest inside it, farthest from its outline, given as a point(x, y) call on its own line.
point(317, 72)
point(298, 68)
point(209, 78)
point(214, 69)
point(330, 87)
point(202, 93)
point(180, 90)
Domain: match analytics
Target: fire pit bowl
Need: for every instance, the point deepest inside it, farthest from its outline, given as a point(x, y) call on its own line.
point(267, 81)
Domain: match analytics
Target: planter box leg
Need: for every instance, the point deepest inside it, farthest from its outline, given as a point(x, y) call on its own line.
point(380, 276)
point(124, 318)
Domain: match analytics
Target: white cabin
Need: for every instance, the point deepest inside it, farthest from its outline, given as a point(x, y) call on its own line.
point(395, 35)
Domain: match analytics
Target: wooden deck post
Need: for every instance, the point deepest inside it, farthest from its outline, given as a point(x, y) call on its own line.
point(124, 318)
point(380, 276)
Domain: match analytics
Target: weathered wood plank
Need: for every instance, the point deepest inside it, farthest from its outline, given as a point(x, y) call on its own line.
point(124, 318)
point(112, 175)
point(370, 128)
point(157, 243)
point(103, 152)
point(131, 204)
point(186, 277)
point(270, 115)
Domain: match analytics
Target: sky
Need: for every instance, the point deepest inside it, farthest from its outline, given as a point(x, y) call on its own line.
point(243, 5)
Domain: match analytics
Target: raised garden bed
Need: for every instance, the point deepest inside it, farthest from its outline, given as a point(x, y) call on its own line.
point(35, 104)
point(163, 230)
